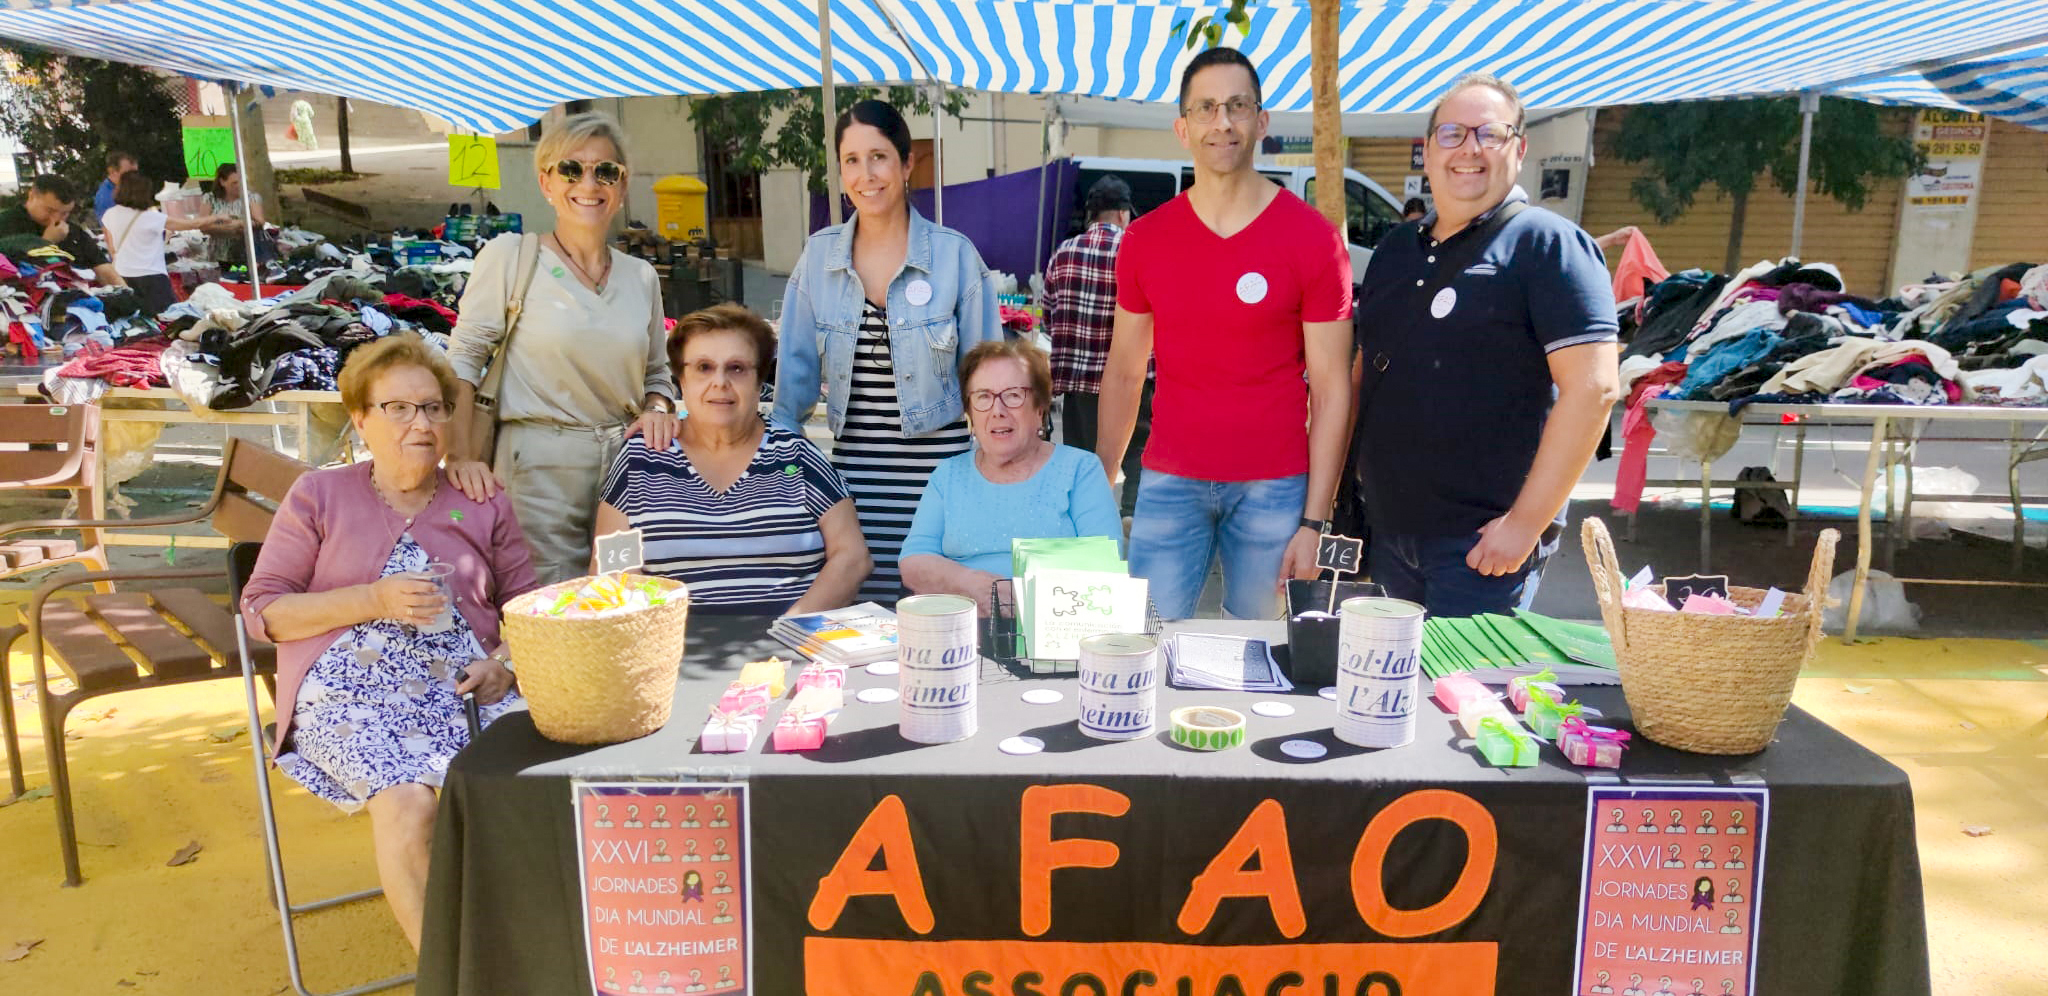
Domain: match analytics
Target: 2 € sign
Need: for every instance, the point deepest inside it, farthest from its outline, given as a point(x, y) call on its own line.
point(620, 551)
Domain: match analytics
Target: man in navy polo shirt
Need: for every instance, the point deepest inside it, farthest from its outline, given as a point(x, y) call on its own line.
point(1488, 364)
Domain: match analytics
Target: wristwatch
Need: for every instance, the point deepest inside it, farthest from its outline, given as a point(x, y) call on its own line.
point(663, 405)
point(505, 660)
point(1319, 525)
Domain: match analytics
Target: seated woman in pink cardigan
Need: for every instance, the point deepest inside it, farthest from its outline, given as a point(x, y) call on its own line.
point(371, 661)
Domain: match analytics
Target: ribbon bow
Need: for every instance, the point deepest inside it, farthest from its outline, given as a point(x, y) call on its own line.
point(1514, 736)
point(1574, 726)
point(1540, 696)
point(737, 717)
point(1544, 675)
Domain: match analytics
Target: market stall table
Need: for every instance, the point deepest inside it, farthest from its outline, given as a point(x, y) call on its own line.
point(1841, 908)
point(2025, 436)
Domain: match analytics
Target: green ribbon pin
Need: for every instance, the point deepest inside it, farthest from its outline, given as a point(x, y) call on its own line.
point(455, 515)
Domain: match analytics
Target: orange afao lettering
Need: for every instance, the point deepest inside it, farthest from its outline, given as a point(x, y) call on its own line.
point(1368, 863)
point(886, 832)
point(1038, 854)
point(1264, 834)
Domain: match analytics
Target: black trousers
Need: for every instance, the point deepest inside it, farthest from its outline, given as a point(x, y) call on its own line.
point(154, 291)
point(1080, 418)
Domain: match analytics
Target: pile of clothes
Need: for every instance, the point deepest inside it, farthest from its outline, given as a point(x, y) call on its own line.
point(1785, 332)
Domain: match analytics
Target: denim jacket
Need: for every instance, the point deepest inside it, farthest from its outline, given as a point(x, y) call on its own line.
point(821, 311)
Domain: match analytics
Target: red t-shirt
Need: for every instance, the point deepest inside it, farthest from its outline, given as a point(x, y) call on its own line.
point(1231, 403)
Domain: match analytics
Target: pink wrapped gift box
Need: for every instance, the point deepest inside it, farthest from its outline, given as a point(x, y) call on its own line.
point(803, 724)
point(819, 675)
point(729, 733)
point(1519, 689)
point(1591, 746)
point(750, 698)
point(1454, 690)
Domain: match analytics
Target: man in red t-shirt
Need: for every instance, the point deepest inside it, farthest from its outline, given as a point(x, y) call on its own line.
point(1241, 294)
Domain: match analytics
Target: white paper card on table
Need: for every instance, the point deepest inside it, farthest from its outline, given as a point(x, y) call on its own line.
point(1306, 750)
point(1224, 663)
point(1066, 607)
point(619, 552)
point(1021, 745)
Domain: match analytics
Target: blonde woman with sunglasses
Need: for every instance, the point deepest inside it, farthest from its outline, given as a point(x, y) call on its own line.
point(587, 365)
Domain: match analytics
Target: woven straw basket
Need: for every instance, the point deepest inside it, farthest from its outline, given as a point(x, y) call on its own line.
point(598, 679)
point(1706, 683)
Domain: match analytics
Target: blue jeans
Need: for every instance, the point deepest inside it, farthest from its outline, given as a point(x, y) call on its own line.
point(1431, 571)
point(1182, 523)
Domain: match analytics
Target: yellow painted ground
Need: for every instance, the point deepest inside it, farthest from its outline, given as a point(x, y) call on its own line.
point(1966, 719)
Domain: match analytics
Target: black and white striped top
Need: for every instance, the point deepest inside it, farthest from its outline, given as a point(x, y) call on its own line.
point(754, 548)
point(885, 470)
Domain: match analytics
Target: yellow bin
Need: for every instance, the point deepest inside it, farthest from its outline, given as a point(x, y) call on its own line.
point(679, 208)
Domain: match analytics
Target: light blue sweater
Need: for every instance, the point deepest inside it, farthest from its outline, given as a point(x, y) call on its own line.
point(966, 518)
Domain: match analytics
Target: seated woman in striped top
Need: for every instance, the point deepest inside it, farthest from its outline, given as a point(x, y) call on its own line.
point(749, 515)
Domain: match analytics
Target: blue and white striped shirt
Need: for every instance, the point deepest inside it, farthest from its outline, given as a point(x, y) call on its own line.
point(754, 548)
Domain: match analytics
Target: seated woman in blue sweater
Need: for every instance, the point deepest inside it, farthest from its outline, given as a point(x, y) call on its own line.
point(1011, 484)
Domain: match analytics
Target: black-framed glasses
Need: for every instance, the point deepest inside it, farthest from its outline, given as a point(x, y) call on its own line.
point(1239, 108)
point(604, 171)
point(1013, 398)
point(403, 412)
point(733, 370)
point(1492, 135)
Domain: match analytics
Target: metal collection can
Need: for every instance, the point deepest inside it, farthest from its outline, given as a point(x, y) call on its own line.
point(940, 667)
point(1379, 653)
point(1119, 685)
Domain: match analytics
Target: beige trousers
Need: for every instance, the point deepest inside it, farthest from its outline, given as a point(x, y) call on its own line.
point(552, 473)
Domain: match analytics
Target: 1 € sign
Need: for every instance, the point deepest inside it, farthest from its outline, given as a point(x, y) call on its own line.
point(1338, 553)
point(620, 552)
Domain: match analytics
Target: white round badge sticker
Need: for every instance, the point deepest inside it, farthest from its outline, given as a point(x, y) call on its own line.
point(1251, 288)
point(882, 667)
point(918, 293)
point(1442, 304)
point(1043, 696)
point(875, 695)
point(1273, 710)
point(1021, 745)
point(1304, 750)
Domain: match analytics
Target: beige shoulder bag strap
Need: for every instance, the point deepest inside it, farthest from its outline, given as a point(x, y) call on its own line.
point(483, 425)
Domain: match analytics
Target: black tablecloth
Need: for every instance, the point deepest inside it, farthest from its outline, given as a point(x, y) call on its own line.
point(1841, 899)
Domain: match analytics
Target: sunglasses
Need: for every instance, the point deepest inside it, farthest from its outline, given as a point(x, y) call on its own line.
point(605, 172)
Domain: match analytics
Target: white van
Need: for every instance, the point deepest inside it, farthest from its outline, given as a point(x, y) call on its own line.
point(1369, 211)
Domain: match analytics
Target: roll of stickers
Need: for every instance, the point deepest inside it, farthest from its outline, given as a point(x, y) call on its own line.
point(1207, 728)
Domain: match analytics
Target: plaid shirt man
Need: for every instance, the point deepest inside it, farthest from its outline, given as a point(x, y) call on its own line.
point(1080, 299)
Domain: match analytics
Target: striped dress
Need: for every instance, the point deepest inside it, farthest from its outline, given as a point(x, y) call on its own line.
point(885, 471)
point(753, 549)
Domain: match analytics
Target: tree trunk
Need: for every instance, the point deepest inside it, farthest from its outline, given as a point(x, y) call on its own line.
point(1329, 124)
point(348, 163)
point(256, 173)
point(1737, 213)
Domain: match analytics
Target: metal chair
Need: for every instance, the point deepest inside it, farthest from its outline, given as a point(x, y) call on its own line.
point(241, 563)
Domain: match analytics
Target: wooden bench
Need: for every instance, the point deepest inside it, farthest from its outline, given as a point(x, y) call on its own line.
point(44, 447)
point(109, 643)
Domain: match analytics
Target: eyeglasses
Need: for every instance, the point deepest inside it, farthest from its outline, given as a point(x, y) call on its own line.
point(1013, 398)
point(1494, 135)
point(707, 369)
point(1204, 111)
point(403, 412)
point(606, 172)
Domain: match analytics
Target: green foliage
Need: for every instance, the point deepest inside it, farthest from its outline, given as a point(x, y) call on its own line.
point(780, 128)
point(68, 112)
point(1734, 143)
point(1209, 28)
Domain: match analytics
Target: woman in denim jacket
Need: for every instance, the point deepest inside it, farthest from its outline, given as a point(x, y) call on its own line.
point(875, 318)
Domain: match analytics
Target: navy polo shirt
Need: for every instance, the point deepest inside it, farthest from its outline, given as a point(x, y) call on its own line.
point(1457, 382)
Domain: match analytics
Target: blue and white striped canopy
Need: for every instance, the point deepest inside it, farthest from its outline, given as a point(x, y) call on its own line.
point(2011, 85)
point(493, 65)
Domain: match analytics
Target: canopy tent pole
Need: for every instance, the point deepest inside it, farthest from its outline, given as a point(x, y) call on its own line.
point(1052, 102)
point(938, 152)
point(1809, 103)
point(828, 106)
point(235, 91)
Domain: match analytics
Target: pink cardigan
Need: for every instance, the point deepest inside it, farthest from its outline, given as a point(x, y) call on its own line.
point(332, 531)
